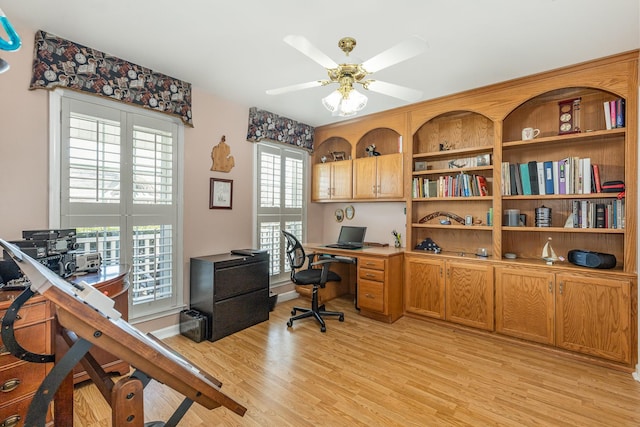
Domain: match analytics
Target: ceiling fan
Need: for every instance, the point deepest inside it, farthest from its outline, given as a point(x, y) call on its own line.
point(346, 100)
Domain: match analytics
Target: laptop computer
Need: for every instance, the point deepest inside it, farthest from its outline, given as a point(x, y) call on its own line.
point(350, 237)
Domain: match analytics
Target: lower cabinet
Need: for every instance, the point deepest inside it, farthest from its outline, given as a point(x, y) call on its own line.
point(456, 291)
point(589, 314)
point(593, 316)
point(592, 313)
point(525, 305)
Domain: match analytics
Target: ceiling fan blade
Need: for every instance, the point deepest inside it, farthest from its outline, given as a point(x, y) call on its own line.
point(398, 53)
point(303, 45)
point(410, 95)
point(295, 87)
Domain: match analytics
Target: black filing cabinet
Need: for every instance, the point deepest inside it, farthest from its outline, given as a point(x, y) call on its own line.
point(231, 290)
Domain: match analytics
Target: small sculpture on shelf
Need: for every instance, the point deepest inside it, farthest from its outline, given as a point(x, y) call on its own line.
point(397, 239)
point(371, 150)
point(549, 255)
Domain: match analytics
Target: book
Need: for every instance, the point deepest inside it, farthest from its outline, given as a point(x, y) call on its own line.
point(584, 214)
point(600, 215)
point(541, 179)
point(620, 109)
point(607, 115)
point(596, 178)
point(533, 177)
point(612, 113)
point(513, 178)
point(506, 181)
point(525, 179)
point(575, 209)
point(555, 165)
point(562, 176)
point(483, 189)
point(548, 178)
point(586, 175)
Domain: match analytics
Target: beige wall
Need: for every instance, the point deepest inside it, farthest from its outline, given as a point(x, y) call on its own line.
point(24, 157)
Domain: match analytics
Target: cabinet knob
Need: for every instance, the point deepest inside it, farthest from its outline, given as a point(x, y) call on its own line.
point(369, 295)
point(11, 421)
point(550, 287)
point(10, 385)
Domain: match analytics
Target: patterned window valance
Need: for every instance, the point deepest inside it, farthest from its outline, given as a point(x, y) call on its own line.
point(266, 125)
point(61, 63)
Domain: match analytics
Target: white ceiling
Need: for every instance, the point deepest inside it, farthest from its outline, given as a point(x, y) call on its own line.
point(234, 49)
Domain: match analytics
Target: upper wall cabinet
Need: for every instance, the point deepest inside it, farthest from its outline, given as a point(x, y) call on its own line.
point(332, 170)
point(378, 166)
point(373, 177)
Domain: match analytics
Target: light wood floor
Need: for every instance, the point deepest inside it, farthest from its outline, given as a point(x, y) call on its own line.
point(366, 373)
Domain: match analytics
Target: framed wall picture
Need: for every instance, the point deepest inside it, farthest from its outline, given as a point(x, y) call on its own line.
point(220, 193)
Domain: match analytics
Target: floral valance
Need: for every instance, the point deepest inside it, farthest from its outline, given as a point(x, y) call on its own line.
point(61, 63)
point(270, 126)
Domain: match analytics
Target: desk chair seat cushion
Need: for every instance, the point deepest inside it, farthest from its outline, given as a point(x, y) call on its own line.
point(311, 276)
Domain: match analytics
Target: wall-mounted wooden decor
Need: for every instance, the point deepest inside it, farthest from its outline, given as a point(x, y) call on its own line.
point(221, 156)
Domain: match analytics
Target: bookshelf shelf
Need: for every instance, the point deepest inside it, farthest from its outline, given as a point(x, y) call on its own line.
point(453, 171)
point(599, 135)
point(565, 230)
point(563, 196)
point(447, 154)
point(454, 227)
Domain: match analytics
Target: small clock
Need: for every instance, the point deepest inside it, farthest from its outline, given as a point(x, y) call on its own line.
point(569, 116)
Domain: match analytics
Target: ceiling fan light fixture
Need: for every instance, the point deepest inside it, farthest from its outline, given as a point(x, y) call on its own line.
point(344, 103)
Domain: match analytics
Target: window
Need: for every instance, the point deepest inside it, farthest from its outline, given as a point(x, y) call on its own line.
point(280, 201)
point(118, 177)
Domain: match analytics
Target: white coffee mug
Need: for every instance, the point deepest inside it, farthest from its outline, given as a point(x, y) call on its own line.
point(530, 133)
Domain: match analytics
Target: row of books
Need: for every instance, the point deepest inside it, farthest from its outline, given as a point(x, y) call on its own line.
point(614, 113)
point(461, 185)
point(591, 214)
point(572, 175)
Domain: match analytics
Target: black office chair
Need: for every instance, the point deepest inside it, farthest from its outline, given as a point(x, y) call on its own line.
point(316, 277)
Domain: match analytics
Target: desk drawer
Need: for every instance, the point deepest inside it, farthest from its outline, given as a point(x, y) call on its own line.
point(29, 314)
point(367, 274)
point(21, 380)
point(15, 412)
point(33, 338)
point(371, 295)
point(373, 263)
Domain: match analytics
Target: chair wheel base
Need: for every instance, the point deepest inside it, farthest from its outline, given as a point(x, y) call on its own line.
point(323, 329)
point(289, 323)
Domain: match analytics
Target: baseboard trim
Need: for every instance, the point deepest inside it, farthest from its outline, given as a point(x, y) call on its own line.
point(167, 332)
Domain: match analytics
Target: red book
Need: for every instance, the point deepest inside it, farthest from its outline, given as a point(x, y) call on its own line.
point(596, 178)
point(482, 185)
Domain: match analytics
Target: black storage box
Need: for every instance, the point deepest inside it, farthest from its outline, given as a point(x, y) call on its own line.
point(193, 325)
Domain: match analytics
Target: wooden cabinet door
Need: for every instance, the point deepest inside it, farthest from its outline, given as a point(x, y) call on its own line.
point(593, 316)
point(341, 182)
point(364, 180)
point(469, 294)
point(389, 176)
point(321, 182)
point(424, 287)
point(525, 304)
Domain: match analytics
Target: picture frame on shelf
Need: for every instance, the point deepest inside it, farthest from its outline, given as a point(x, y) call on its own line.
point(220, 193)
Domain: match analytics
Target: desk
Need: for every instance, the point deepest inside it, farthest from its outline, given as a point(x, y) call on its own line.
point(376, 278)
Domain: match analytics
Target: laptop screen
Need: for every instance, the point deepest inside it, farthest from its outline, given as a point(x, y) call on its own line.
point(352, 235)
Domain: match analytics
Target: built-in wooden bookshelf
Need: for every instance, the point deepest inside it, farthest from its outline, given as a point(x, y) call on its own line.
point(468, 280)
